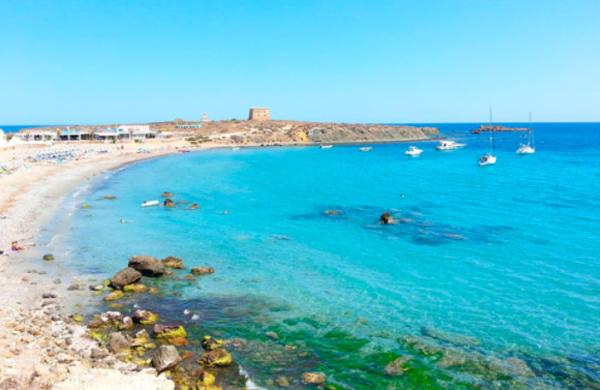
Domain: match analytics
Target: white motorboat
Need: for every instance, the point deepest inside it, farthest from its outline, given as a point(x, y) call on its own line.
point(487, 159)
point(235, 148)
point(529, 147)
point(366, 148)
point(413, 151)
point(326, 146)
point(150, 203)
point(449, 145)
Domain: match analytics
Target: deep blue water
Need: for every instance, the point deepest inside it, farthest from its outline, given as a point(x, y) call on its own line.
point(15, 128)
point(508, 254)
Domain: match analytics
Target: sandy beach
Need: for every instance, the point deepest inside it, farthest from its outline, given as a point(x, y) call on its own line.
point(40, 346)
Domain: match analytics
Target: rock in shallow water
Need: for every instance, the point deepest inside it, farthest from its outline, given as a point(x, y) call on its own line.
point(396, 367)
point(173, 262)
point(216, 358)
point(147, 265)
point(313, 378)
point(202, 270)
point(171, 334)
point(48, 257)
point(165, 357)
point(124, 277)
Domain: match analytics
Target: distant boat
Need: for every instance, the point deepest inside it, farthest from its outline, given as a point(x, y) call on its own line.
point(150, 203)
point(235, 148)
point(489, 158)
point(528, 148)
point(326, 146)
point(413, 151)
point(449, 145)
point(366, 148)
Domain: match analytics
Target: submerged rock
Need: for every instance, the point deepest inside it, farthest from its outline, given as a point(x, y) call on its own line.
point(173, 262)
point(165, 357)
point(171, 334)
point(48, 257)
point(115, 295)
point(397, 366)
point(282, 381)
point(147, 265)
point(313, 378)
point(452, 338)
point(124, 277)
point(109, 197)
point(202, 270)
point(144, 317)
point(216, 358)
point(209, 343)
point(135, 288)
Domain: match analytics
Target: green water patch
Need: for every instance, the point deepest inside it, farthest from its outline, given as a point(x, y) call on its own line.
point(270, 341)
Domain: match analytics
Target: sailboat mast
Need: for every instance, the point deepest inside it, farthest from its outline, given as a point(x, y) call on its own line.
point(491, 131)
point(531, 140)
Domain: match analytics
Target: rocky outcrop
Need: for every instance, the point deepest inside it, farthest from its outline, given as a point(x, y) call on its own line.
point(397, 366)
point(147, 266)
point(202, 270)
point(165, 357)
point(144, 317)
point(124, 277)
point(173, 262)
point(216, 358)
point(313, 378)
point(170, 334)
point(274, 132)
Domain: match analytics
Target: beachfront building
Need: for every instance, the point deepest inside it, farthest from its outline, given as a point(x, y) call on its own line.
point(41, 135)
point(75, 134)
point(139, 132)
point(111, 134)
point(259, 114)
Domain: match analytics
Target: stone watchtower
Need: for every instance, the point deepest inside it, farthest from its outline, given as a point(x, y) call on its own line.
point(259, 114)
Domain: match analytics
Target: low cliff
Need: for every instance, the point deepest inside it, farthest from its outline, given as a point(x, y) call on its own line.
point(270, 132)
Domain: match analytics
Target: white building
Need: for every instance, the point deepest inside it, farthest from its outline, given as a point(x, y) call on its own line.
point(41, 135)
point(138, 132)
point(76, 134)
point(111, 134)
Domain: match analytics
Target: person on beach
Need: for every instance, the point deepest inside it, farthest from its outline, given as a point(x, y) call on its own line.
point(16, 247)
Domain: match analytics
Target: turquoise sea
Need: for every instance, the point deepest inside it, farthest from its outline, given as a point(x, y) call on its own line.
point(491, 278)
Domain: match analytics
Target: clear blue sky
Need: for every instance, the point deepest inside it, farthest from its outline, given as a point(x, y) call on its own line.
point(355, 61)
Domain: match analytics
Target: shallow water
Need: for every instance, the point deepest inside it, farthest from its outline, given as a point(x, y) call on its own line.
point(504, 256)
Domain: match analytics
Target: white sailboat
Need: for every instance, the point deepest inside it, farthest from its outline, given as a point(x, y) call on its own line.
point(528, 148)
point(489, 158)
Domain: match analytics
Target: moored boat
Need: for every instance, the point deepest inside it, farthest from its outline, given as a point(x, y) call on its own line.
point(449, 145)
point(413, 151)
point(150, 203)
point(366, 148)
point(326, 146)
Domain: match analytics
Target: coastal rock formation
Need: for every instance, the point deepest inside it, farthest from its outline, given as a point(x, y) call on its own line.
point(135, 288)
point(144, 317)
point(202, 270)
point(165, 357)
point(124, 277)
point(396, 367)
point(209, 343)
point(297, 132)
point(118, 342)
point(313, 378)
point(173, 262)
point(170, 334)
point(216, 358)
point(147, 266)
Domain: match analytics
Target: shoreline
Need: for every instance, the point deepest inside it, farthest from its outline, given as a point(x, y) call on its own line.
point(34, 330)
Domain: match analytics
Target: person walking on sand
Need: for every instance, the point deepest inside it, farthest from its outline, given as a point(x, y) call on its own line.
point(16, 247)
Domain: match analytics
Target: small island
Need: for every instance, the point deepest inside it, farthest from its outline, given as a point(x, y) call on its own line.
point(498, 128)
